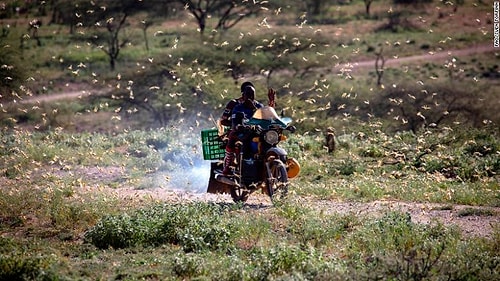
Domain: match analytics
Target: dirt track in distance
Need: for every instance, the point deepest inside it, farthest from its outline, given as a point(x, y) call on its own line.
point(76, 91)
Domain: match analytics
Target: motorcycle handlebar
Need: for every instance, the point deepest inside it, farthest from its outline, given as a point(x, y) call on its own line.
point(258, 129)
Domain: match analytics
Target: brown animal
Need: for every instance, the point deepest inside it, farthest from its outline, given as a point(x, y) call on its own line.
point(34, 25)
point(330, 139)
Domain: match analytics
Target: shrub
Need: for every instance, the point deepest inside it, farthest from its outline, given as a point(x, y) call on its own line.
point(285, 261)
point(188, 266)
point(16, 265)
point(347, 167)
point(10, 67)
point(195, 227)
point(371, 151)
point(394, 247)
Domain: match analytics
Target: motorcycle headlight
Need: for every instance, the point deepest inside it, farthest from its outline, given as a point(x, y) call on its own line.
point(271, 137)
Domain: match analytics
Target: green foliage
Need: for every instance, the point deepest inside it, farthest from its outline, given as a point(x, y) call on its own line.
point(347, 168)
point(476, 159)
point(391, 245)
point(371, 151)
point(395, 247)
point(285, 261)
point(196, 227)
point(17, 264)
point(321, 231)
point(188, 266)
point(409, 167)
point(25, 268)
point(12, 70)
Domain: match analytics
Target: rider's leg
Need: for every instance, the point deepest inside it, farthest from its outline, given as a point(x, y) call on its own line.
point(228, 162)
point(230, 153)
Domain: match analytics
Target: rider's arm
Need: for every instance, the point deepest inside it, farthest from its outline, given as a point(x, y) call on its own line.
point(271, 94)
point(225, 119)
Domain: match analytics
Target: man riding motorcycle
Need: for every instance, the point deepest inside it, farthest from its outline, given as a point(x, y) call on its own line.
point(225, 119)
point(241, 111)
point(252, 157)
point(234, 113)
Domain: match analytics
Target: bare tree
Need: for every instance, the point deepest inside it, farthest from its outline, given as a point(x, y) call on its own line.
point(379, 66)
point(229, 12)
point(145, 25)
point(368, 4)
point(114, 43)
point(234, 13)
point(112, 19)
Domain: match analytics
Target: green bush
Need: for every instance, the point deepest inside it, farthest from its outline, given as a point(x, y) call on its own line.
point(319, 231)
point(347, 167)
point(13, 68)
point(195, 227)
point(285, 261)
point(188, 266)
point(371, 151)
point(395, 247)
point(14, 266)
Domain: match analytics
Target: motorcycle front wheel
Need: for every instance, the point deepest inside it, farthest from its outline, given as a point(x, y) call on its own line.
point(239, 194)
point(277, 185)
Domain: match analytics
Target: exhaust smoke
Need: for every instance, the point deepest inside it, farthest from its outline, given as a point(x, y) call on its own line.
point(181, 166)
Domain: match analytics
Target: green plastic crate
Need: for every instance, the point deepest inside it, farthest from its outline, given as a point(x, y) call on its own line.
point(213, 147)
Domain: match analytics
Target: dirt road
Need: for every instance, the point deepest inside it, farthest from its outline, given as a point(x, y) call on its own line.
point(430, 57)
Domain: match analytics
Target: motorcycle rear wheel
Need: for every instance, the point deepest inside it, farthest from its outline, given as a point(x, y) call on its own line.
point(277, 187)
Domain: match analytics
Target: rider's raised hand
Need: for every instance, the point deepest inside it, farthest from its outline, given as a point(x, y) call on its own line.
point(271, 94)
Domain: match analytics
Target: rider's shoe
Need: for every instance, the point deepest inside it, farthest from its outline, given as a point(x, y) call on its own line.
point(227, 171)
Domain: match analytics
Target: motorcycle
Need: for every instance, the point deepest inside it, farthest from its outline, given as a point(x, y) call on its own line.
point(260, 165)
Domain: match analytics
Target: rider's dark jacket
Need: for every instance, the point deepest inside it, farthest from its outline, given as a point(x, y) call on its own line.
point(225, 119)
point(240, 112)
point(246, 109)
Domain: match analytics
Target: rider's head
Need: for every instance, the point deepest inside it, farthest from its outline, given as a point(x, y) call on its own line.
point(246, 84)
point(248, 93)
